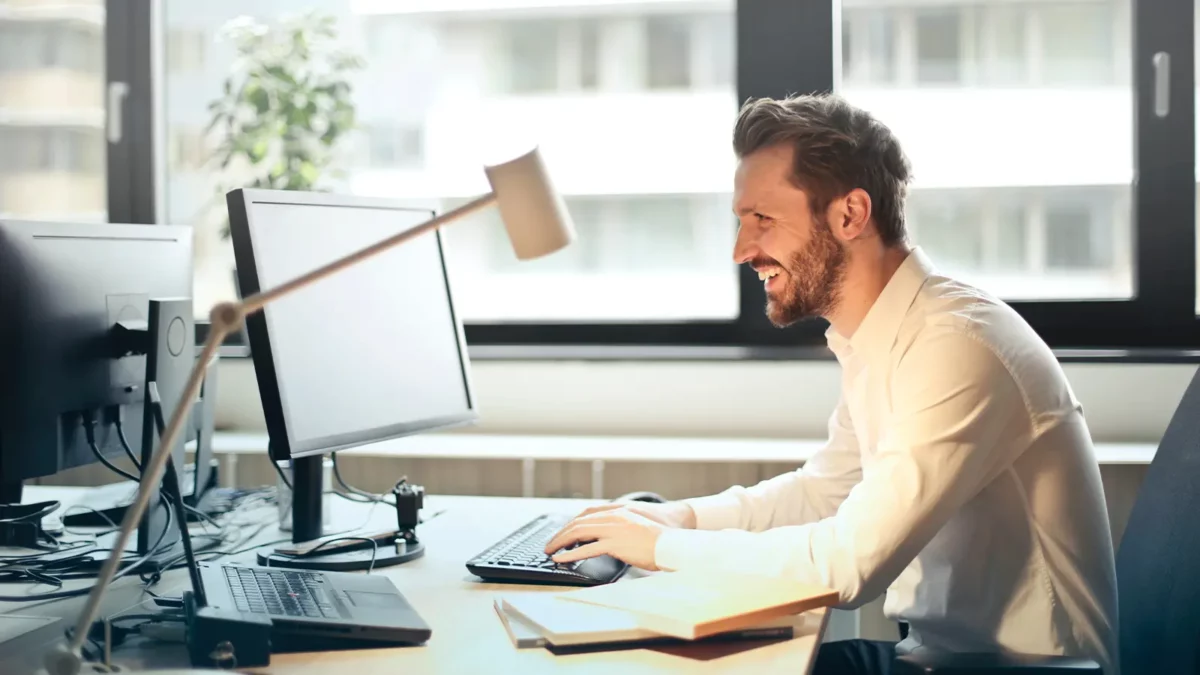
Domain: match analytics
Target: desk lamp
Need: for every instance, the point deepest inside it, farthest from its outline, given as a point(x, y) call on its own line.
point(537, 223)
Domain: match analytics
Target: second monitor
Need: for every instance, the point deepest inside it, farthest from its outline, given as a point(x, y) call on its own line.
point(374, 353)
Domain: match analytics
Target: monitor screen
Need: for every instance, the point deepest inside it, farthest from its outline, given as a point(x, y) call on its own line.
point(371, 353)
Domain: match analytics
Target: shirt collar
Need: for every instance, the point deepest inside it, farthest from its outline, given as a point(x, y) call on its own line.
point(882, 322)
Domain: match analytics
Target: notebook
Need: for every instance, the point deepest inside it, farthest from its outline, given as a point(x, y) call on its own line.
point(693, 604)
point(522, 634)
point(570, 624)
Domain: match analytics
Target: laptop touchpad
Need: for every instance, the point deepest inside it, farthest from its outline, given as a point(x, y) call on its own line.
point(373, 600)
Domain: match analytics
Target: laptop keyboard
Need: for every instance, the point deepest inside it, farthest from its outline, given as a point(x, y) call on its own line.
point(280, 592)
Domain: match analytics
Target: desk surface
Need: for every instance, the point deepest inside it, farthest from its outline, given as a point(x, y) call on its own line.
point(467, 634)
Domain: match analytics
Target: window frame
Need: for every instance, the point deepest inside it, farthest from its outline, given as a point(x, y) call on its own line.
point(795, 47)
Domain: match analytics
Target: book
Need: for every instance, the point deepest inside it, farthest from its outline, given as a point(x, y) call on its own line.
point(564, 625)
point(692, 604)
point(522, 634)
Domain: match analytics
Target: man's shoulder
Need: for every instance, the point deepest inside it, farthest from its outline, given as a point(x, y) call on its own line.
point(948, 305)
point(963, 319)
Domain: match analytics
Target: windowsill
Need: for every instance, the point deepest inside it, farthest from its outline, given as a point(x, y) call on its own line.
point(686, 353)
point(471, 446)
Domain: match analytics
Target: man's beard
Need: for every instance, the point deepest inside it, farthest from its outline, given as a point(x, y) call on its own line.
point(815, 280)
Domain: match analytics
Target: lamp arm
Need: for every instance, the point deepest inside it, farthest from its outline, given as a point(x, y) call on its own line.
point(226, 318)
point(257, 301)
point(67, 662)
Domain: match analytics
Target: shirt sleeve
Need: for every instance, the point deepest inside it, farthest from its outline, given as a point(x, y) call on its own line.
point(957, 420)
point(806, 495)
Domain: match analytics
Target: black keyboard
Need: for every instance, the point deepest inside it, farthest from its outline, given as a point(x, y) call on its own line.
point(521, 557)
point(280, 592)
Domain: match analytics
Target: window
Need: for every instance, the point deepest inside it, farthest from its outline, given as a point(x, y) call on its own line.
point(992, 163)
point(714, 51)
point(869, 46)
point(1002, 41)
point(939, 54)
point(1022, 120)
point(589, 55)
point(51, 149)
point(1011, 250)
point(392, 146)
point(532, 48)
point(1077, 43)
point(443, 92)
point(668, 52)
point(189, 150)
point(36, 44)
point(949, 229)
point(52, 144)
point(185, 50)
point(1076, 238)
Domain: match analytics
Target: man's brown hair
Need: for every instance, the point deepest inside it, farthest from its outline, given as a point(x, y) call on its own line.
point(838, 148)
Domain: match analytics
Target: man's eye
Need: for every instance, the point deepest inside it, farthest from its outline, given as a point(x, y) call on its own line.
point(762, 218)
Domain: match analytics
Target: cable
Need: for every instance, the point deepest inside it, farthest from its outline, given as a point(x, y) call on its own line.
point(311, 552)
point(113, 527)
point(13, 559)
point(337, 475)
point(78, 591)
point(89, 429)
point(125, 445)
point(282, 476)
point(72, 562)
point(202, 515)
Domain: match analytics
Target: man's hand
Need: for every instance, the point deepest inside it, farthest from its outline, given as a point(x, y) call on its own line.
point(671, 514)
point(623, 534)
point(627, 532)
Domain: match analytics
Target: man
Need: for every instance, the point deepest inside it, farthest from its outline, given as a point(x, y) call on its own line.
point(958, 476)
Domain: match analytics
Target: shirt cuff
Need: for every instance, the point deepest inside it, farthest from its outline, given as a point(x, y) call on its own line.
point(721, 511)
point(678, 549)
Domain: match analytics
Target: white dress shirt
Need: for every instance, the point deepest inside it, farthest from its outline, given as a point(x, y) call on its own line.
point(959, 477)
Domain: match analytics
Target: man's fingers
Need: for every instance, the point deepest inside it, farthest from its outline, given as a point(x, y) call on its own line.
point(598, 509)
point(560, 539)
point(586, 551)
point(570, 534)
point(577, 533)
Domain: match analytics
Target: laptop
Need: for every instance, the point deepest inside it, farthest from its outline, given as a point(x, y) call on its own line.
point(307, 610)
point(353, 610)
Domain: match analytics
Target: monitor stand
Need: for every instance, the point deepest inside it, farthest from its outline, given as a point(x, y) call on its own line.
point(10, 492)
point(306, 527)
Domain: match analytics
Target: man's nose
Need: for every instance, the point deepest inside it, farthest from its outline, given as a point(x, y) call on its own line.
point(744, 247)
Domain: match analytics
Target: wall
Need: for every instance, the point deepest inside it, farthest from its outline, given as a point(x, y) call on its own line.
point(766, 399)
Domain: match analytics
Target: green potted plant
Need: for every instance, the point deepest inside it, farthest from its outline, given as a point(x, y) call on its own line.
point(282, 120)
point(286, 107)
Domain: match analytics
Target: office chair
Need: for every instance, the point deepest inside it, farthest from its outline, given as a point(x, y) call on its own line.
point(1158, 574)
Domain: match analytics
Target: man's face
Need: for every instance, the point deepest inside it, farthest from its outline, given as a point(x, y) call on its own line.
point(782, 240)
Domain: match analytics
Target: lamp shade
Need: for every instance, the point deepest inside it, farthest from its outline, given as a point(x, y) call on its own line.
point(532, 210)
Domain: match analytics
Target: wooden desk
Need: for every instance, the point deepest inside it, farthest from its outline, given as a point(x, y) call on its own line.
point(467, 635)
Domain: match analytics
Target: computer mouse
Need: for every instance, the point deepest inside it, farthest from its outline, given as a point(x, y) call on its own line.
point(641, 496)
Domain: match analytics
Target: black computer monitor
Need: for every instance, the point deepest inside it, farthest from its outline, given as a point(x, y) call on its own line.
point(64, 287)
point(373, 353)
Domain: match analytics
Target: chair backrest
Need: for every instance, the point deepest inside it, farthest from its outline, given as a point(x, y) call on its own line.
point(1158, 564)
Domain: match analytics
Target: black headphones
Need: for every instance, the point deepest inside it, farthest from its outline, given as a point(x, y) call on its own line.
point(21, 525)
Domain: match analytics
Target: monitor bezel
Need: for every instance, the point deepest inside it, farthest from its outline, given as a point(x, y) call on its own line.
point(282, 446)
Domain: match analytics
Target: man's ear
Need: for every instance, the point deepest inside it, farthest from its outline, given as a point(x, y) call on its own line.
point(850, 215)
